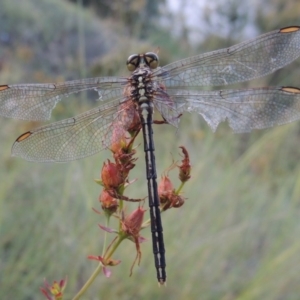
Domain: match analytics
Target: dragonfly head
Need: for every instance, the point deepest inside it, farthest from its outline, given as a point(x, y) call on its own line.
point(134, 61)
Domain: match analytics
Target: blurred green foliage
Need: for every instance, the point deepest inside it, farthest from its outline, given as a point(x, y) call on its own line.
point(236, 235)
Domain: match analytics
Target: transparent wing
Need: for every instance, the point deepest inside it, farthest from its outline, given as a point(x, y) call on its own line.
point(78, 137)
point(170, 110)
point(246, 109)
point(242, 62)
point(36, 101)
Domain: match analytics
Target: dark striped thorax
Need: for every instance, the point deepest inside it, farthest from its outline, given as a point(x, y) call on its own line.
point(141, 86)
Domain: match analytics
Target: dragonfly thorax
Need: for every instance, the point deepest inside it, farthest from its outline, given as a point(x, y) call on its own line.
point(141, 85)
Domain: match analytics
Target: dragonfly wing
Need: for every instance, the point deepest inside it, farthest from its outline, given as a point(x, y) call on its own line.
point(247, 60)
point(246, 109)
point(74, 138)
point(36, 101)
point(170, 110)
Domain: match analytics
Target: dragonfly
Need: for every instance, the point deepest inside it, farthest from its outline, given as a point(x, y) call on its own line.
point(172, 90)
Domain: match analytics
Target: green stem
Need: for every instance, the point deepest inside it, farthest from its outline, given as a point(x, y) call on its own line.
point(121, 204)
point(108, 255)
point(180, 188)
point(105, 235)
point(145, 224)
point(114, 247)
point(89, 282)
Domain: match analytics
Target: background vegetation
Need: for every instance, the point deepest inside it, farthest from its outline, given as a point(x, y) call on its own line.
point(236, 237)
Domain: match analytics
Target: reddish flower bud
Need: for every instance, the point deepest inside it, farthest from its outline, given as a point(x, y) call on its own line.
point(165, 186)
point(118, 139)
point(135, 125)
point(172, 200)
point(128, 115)
point(132, 223)
point(108, 203)
point(167, 195)
point(111, 175)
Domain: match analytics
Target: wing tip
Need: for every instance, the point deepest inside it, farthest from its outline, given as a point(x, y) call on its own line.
point(4, 87)
point(23, 136)
point(290, 89)
point(289, 29)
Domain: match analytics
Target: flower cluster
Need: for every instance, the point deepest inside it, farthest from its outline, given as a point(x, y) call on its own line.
point(169, 197)
point(114, 178)
point(54, 291)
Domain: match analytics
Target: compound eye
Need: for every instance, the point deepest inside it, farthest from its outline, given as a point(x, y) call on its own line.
point(151, 60)
point(133, 62)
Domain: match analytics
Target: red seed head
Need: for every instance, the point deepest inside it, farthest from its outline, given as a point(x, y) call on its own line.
point(132, 223)
point(135, 125)
point(171, 200)
point(118, 139)
point(167, 195)
point(111, 175)
point(108, 203)
point(165, 186)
